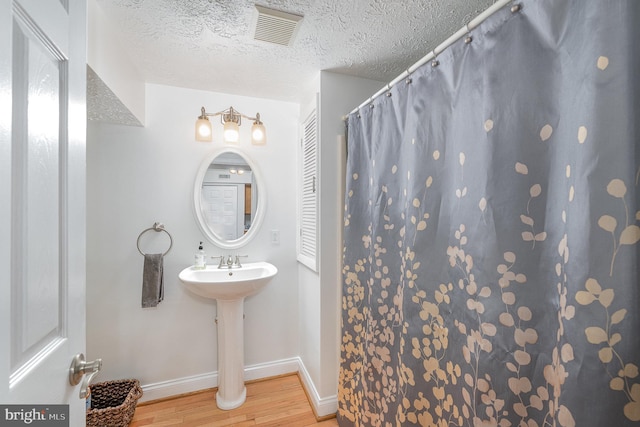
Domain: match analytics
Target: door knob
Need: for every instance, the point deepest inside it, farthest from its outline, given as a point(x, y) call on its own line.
point(80, 369)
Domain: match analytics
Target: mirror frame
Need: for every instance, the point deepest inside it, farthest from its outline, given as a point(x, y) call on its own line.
point(260, 208)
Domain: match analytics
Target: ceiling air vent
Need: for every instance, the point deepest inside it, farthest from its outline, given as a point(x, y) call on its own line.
point(277, 27)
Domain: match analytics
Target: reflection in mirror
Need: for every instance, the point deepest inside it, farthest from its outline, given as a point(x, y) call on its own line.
point(229, 196)
point(228, 205)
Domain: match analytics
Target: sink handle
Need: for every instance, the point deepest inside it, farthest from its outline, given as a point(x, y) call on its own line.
point(221, 260)
point(237, 263)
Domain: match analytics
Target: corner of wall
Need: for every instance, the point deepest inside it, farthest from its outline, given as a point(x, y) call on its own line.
point(322, 406)
point(115, 71)
point(339, 94)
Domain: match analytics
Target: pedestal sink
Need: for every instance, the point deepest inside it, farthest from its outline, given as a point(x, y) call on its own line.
point(229, 287)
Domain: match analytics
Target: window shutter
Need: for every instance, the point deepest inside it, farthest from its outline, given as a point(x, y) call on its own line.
point(308, 215)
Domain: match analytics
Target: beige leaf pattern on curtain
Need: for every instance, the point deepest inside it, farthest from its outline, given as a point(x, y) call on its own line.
point(492, 230)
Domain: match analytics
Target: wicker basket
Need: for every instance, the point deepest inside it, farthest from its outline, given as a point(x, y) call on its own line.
point(113, 403)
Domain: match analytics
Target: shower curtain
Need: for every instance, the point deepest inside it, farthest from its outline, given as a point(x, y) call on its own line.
point(491, 229)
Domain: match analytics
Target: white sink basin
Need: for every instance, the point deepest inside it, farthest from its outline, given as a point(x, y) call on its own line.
point(228, 283)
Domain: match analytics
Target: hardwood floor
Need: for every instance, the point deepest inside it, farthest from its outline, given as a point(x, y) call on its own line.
point(277, 401)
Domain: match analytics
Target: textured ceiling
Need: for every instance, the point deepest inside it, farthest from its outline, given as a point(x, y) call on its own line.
point(208, 44)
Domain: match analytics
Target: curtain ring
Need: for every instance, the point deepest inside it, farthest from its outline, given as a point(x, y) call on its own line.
point(434, 62)
point(468, 39)
point(408, 80)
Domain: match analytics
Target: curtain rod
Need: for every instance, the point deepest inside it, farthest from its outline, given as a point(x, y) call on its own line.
point(440, 48)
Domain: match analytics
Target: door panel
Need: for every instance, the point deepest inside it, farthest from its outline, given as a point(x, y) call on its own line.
point(35, 286)
point(223, 205)
point(42, 201)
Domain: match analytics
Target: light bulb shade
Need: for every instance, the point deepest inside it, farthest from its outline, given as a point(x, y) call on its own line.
point(258, 134)
point(231, 132)
point(204, 131)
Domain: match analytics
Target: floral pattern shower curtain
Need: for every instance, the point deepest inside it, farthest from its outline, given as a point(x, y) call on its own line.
point(490, 273)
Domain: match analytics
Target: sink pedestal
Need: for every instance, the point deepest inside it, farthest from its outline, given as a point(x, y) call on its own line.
point(231, 390)
point(229, 287)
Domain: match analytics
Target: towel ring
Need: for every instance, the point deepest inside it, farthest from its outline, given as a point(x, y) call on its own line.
point(158, 227)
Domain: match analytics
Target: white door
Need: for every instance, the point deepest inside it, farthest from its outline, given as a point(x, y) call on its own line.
point(224, 207)
point(42, 201)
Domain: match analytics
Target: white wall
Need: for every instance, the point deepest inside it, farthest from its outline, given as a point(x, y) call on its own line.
point(320, 292)
point(137, 176)
point(106, 58)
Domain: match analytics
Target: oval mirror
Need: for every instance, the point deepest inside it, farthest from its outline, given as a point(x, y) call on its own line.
point(229, 198)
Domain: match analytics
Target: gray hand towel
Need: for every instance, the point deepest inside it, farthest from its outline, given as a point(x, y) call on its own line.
point(152, 281)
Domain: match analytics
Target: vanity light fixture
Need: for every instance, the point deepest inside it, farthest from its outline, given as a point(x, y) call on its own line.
point(231, 120)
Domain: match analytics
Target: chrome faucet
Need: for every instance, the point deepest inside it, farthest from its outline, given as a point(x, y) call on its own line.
point(225, 262)
point(229, 261)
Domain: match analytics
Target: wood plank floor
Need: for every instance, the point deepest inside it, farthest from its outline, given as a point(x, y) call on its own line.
point(278, 401)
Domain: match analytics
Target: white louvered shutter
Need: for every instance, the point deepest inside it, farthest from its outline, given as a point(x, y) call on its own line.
point(308, 237)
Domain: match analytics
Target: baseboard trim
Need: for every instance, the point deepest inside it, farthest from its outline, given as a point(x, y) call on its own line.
point(166, 389)
point(323, 407)
point(178, 386)
point(271, 369)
